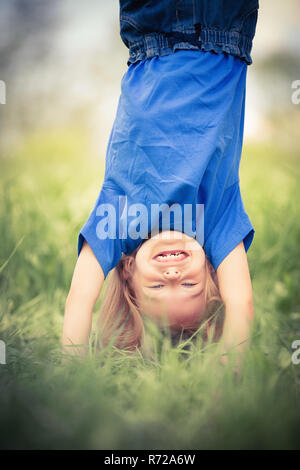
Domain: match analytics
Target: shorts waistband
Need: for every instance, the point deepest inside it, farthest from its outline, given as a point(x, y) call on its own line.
point(159, 44)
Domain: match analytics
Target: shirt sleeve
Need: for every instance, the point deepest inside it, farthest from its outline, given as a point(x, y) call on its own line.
point(232, 225)
point(101, 230)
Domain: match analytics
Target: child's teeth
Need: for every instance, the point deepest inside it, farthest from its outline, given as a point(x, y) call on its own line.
point(171, 255)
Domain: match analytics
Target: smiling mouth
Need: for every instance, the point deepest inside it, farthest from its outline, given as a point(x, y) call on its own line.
point(171, 255)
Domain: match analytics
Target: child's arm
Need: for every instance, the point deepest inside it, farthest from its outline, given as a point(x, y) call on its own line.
point(85, 288)
point(236, 292)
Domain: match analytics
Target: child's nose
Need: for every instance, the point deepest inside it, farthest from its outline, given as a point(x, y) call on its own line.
point(172, 273)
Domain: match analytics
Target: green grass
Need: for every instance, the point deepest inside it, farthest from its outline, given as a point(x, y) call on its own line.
point(182, 399)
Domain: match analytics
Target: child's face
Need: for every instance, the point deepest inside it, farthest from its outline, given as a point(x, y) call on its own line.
point(171, 288)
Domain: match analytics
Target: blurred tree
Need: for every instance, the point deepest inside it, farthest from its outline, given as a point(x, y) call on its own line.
point(23, 22)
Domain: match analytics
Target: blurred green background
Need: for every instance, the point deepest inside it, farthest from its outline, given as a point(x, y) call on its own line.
point(62, 63)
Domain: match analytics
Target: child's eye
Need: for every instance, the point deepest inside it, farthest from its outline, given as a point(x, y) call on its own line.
point(186, 284)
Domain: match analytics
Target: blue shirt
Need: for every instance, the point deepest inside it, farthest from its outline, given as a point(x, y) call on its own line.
point(176, 139)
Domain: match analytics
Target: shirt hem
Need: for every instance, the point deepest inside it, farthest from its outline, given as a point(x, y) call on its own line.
point(246, 236)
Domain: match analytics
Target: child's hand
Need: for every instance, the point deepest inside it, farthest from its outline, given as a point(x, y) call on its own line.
point(85, 288)
point(233, 359)
point(236, 292)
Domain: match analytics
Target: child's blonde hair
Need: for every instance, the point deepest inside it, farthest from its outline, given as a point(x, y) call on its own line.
point(120, 320)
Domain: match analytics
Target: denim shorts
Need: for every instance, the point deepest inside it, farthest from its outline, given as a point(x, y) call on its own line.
point(160, 27)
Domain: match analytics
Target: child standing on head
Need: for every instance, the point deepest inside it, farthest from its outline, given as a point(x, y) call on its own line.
point(176, 141)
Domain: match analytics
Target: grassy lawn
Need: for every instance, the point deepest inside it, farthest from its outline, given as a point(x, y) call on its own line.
point(181, 400)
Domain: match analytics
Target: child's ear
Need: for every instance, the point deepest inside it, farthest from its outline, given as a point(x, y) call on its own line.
point(128, 263)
